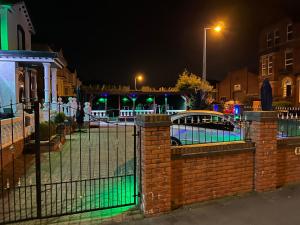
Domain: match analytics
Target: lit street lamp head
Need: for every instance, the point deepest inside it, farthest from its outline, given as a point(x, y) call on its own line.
point(140, 77)
point(218, 28)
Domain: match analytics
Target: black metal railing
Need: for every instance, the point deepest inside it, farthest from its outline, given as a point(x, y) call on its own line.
point(64, 169)
point(195, 132)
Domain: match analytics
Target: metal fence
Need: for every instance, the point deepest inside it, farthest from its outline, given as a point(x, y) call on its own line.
point(194, 130)
point(59, 168)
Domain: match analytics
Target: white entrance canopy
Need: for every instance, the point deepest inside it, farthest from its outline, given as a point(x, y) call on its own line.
point(9, 61)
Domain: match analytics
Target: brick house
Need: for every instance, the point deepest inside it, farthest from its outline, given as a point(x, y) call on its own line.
point(238, 85)
point(279, 52)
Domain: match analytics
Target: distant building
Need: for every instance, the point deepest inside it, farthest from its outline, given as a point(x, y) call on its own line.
point(238, 85)
point(67, 79)
point(279, 50)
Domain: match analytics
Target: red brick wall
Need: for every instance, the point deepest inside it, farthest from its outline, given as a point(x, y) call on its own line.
point(211, 176)
point(155, 163)
point(7, 153)
point(288, 165)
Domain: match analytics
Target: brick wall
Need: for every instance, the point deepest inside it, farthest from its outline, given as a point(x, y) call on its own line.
point(155, 163)
point(288, 163)
point(182, 175)
point(203, 172)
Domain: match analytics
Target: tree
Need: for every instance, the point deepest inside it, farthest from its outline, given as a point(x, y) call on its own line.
point(197, 89)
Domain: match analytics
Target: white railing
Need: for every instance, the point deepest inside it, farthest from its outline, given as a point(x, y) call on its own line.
point(174, 111)
point(99, 114)
point(129, 112)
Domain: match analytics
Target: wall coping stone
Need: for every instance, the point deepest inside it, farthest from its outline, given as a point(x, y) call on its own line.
point(288, 142)
point(211, 149)
point(261, 116)
point(156, 120)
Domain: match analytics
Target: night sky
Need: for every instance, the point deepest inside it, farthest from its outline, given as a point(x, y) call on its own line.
point(110, 41)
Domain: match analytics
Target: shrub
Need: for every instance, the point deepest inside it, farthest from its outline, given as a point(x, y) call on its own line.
point(60, 118)
point(45, 128)
point(282, 104)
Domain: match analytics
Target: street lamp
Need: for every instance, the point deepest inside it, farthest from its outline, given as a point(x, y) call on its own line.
point(138, 77)
point(218, 28)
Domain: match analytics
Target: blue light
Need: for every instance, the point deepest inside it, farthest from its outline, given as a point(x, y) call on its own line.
point(216, 108)
point(237, 110)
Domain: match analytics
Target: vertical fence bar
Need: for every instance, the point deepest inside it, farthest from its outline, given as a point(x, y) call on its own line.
point(134, 164)
point(37, 159)
point(2, 179)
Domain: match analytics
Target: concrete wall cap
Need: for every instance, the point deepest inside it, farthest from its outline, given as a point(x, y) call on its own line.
point(157, 120)
point(261, 116)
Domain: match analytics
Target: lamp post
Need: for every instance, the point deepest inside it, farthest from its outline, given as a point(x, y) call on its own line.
point(217, 29)
point(139, 77)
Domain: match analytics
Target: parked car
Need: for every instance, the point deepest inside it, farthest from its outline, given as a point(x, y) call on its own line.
point(204, 119)
point(201, 126)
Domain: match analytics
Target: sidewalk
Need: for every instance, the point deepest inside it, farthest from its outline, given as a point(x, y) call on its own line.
point(280, 207)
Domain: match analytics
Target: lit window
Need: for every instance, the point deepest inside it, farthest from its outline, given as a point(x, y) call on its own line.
point(270, 65)
point(276, 37)
point(267, 65)
point(289, 60)
point(287, 87)
point(289, 32)
point(270, 37)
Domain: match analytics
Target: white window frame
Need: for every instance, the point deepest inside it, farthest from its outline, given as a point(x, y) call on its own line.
point(289, 32)
point(288, 62)
point(267, 65)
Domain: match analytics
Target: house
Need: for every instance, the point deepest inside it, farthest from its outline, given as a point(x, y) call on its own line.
point(67, 79)
point(238, 85)
point(19, 66)
point(279, 52)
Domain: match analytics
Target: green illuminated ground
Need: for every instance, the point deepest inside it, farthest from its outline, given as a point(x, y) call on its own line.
point(195, 135)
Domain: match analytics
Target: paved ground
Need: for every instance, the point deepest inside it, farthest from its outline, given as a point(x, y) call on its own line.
point(89, 172)
point(280, 207)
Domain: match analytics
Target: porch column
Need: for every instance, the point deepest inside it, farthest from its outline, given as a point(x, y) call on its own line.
point(54, 84)
point(27, 86)
point(8, 87)
point(46, 83)
point(34, 84)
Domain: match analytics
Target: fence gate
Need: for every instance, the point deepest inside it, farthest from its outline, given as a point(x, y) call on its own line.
point(64, 169)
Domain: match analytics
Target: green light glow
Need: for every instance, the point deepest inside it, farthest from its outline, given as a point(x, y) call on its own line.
point(149, 100)
point(125, 99)
point(4, 27)
point(133, 99)
point(102, 100)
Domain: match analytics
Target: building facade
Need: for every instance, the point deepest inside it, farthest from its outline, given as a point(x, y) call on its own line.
point(67, 82)
point(19, 65)
point(16, 27)
point(238, 85)
point(279, 52)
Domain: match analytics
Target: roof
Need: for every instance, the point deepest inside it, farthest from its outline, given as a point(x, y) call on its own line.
point(22, 8)
point(31, 56)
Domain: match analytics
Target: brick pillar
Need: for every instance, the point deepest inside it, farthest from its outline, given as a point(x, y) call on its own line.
point(155, 163)
point(263, 132)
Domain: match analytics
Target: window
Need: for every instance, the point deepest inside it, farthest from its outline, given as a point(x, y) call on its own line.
point(267, 65)
point(276, 37)
point(21, 38)
point(270, 38)
point(287, 87)
point(289, 60)
point(289, 32)
point(237, 87)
